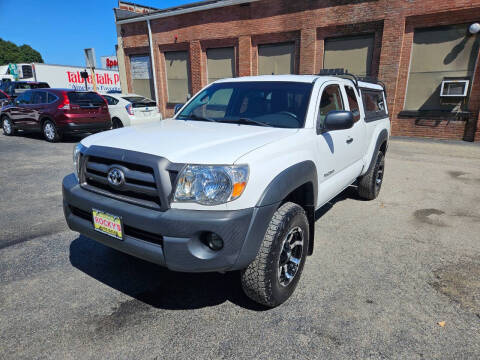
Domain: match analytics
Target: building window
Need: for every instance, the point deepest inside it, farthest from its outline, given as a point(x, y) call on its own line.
point(439, 53)
point(220, 63)
point(142, 79)
point(275, 59)
point(353, 53)
point(176, 63)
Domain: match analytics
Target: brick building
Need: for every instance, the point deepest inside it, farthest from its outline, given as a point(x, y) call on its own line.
point(426, 52)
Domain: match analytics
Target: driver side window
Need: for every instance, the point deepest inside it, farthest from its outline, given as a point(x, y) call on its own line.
point(331, 100)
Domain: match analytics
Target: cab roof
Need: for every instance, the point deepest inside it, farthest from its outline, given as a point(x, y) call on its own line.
point(299, 78)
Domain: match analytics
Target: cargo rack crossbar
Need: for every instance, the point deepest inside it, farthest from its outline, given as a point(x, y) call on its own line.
point(355, 79)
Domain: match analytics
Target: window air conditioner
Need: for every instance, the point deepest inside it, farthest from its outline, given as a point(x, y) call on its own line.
point(454, 88)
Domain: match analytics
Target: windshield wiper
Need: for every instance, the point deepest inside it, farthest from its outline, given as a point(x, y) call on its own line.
point(200, 118)
point(251, 121)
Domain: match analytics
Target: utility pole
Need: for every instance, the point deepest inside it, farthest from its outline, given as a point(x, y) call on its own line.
point(91, 62)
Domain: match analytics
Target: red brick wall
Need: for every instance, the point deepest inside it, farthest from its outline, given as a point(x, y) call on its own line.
point(308, 23)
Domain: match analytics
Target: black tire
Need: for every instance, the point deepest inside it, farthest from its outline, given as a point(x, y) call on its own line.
point(7, 126)
point(369, 185)
point(262, 279)
point(117, 123)
point(50, 131)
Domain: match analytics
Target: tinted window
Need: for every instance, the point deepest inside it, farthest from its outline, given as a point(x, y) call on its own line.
point(85, 99)
point(42, 85)
point(25, 98)
point(111, 100)
point(22, 86)
point(139, 101)
point(331, 100)
point(353, 103)
point(51, 98)
point(38, 97)
point(279, 104)
point(2, 96)
point(374, 104)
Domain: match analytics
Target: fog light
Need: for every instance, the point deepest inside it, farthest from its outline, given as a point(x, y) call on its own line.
point(213, 241)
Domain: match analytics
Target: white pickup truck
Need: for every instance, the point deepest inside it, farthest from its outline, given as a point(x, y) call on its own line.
point(233, 180)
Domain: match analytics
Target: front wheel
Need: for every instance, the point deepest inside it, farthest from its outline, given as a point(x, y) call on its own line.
point(274, 274)
point(7, 126)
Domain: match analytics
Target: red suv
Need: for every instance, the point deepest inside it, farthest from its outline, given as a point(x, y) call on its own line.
point(56, 112)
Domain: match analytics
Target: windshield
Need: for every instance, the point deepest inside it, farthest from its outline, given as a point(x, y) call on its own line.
point(261, 103)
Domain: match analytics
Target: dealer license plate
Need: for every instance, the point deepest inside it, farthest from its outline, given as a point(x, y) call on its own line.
point(108, 224)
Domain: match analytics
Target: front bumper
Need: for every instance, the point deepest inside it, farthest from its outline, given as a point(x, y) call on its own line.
point(171, 238)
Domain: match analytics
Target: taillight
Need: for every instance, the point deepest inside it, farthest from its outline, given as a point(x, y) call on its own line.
point(129, 108)
point(65, 104)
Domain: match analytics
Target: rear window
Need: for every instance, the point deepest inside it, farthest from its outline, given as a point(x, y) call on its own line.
point(374, 105)
point(40, 86)
point(85, 99)
point(139, 101)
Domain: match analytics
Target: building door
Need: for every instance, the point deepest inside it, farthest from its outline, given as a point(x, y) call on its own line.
point(276, 59)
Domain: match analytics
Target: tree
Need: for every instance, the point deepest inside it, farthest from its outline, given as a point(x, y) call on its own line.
point(11, 53)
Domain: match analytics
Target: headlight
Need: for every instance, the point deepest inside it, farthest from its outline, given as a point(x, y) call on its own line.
point(210, 184)
point(77, 150)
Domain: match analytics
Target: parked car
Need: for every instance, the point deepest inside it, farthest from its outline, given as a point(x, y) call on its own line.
point(131, 109)
point(4, 98)
point(15, 88)
point(56, 112)
point(233, 181)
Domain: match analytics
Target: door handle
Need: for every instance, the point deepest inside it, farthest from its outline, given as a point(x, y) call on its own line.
point(349, 140)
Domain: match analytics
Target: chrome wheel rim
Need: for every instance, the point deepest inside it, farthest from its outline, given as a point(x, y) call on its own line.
point(290, 256)
point(49, 131)
point(7, 127)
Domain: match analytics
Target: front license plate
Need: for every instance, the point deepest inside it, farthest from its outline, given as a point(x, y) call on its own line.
point(108, 224)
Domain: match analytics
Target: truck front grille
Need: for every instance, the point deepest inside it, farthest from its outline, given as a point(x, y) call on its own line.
point(139, 186)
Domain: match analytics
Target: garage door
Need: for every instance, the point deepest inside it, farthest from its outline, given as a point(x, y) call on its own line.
point(176, 63)
point(141, 70)
point(276, 59)
point(353, 53)
point(220, 63)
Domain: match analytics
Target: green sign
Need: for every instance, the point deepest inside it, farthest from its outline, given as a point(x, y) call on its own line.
point(12, 69)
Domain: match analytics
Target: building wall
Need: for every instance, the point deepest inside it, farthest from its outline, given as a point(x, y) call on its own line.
point(308, 23)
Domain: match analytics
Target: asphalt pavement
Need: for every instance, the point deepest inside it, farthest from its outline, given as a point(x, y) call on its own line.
point(384, 274)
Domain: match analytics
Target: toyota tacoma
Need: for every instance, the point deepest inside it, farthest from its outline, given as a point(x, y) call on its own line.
point(233, 180)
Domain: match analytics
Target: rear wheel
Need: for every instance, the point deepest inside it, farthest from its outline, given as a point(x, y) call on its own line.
point(117, 124)
point(369, 185)
point(274, 274)
point(7, 126)
point(50, 131)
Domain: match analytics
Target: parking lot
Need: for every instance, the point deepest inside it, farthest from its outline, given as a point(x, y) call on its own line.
point(383, 274)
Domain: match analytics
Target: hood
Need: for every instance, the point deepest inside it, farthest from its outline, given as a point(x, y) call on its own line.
point(197, 142)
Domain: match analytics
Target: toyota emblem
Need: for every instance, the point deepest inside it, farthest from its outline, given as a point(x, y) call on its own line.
point(116, 177)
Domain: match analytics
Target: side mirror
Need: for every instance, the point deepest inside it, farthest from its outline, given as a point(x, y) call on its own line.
point(338, 120)
point(177, 108)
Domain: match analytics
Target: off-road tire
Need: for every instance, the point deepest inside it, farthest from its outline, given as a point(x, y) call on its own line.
point(12, 129)
point(50, 131)
point(260, 280)
point(368, 185)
